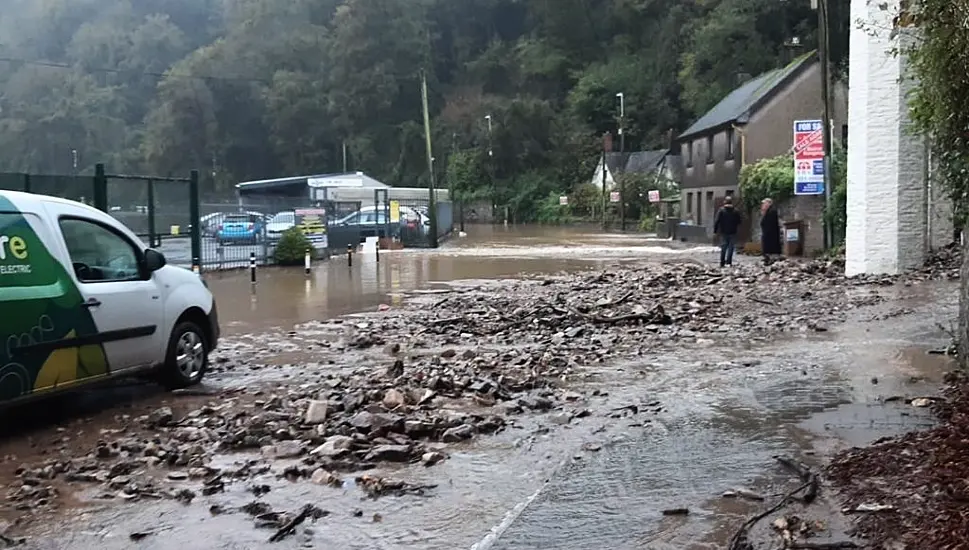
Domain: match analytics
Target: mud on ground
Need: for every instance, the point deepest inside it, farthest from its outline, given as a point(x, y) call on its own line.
point(410, 384)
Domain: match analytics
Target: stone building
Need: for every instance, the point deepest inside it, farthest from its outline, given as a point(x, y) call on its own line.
point(753, 122)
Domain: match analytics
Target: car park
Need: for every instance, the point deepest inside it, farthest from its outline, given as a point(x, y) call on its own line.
point(92, 302)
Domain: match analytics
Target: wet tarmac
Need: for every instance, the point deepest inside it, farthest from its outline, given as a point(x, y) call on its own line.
point(726, 409)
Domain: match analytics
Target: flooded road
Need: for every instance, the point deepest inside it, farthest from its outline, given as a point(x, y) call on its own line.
point(284, 297)
point(670, 427)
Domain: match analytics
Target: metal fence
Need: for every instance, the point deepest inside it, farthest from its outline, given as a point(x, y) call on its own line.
point(132, 200)
point(76, 188)
point(168, 215)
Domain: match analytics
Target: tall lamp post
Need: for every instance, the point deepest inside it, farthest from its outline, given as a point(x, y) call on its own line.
point(622, 158)
point(491, 172)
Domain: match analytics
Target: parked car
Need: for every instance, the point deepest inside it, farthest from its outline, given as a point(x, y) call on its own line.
point(372, 217)
point(92, 302)
point(279, 223)
point(210, 222)
point(241, 228)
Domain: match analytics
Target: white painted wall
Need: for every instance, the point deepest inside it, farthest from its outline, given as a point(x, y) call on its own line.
point(597, 176)
point(886, 226)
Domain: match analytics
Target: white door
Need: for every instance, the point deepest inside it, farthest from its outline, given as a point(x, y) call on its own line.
point(122, 296)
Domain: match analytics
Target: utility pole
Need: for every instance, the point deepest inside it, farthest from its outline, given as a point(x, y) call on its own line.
point(622, 159)
point(344, 156)
point(824, 54)
point(431, 208)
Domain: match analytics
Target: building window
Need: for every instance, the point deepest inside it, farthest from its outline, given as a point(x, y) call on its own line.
point(709, 149)
point(844, 135)
point(729, 193)
point(689, 203)
point(730, 138)
point(699, 209)
point(689, 154)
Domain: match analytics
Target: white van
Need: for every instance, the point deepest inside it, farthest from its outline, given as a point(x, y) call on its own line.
point(82, 299)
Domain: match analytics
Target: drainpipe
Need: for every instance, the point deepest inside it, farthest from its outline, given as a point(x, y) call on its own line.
point(743, 143)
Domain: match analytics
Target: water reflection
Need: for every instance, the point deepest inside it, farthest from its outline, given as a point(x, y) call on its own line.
point(283, 297)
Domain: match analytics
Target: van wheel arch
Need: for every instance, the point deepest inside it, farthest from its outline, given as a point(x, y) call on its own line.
point(198, 317)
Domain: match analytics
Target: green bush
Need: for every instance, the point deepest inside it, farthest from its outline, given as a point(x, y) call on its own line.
point(770, 178)
point(292, 247)
point(550, 212)
point(647, 224)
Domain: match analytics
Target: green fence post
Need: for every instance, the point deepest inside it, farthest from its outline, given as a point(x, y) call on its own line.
point(100, 188)
point(26, 183)
point(193, 190)
point(151, 214)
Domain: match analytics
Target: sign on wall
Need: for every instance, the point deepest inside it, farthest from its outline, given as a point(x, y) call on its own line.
point(653, 195)
point(614, 196)
point(808, 157)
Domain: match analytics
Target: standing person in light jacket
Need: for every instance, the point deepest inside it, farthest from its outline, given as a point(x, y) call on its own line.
point(726, 224)
point(770, 231)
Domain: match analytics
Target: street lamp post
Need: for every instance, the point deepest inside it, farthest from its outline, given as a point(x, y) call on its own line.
point(491, 173)
point(622, 158)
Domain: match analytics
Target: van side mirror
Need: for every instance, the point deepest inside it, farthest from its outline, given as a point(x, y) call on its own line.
point(154, 260)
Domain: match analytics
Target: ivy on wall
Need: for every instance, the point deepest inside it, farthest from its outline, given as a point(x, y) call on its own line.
point(934, 36)
point(770, 178)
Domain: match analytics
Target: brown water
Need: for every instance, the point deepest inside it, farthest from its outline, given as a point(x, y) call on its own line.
point(727, 410)
point(283, 297)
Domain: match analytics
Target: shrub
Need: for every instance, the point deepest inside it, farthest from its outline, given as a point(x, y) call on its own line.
point(292, 247)
point(771, 178)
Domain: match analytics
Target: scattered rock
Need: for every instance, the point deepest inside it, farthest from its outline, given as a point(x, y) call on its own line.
point(162, 416)
point(284, 449)
point(316, 412)
point(432, 458)
point(335, 446)
point(459, 433)
point(394, 399)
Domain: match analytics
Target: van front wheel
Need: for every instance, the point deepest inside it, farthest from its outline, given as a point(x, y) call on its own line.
point(187, 358)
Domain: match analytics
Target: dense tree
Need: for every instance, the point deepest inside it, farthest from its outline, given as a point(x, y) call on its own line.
point(246, 89)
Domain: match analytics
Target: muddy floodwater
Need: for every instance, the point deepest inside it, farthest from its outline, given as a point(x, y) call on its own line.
point(709, 417)
point(283, 297)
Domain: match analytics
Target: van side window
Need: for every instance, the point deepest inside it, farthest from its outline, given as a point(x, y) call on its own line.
point(99, 254)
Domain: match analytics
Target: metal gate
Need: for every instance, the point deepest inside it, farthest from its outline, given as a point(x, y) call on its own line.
point(163, 210)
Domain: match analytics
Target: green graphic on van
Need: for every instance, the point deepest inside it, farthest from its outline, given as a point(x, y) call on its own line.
point(45, 315)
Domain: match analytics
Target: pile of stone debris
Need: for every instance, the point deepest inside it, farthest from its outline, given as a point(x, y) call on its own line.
point(401, 384)
point(911, 492)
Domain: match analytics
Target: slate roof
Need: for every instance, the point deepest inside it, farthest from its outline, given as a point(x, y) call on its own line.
point(741, 103)
point(637, 162)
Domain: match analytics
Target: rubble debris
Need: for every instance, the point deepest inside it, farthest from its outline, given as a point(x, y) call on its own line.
point(309, 511)
point(900, 490)
point(376, 487)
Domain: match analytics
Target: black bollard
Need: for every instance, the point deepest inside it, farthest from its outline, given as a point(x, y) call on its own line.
point(377, 250)
point(252, 267)
point(349, 256)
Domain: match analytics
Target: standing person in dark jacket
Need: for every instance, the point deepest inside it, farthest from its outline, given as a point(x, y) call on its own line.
point(726, 225)
point(770, 231)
